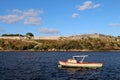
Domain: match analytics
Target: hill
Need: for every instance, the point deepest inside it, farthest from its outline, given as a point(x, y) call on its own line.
point(85, 42)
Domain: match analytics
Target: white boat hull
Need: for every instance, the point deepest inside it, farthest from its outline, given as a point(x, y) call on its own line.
point(80, 64)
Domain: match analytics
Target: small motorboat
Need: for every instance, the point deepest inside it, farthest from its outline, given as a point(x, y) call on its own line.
point(79, 64)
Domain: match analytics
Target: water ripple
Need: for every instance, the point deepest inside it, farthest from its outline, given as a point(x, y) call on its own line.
point(44, 66)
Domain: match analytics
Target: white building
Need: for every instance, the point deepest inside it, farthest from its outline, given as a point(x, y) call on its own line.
point(47, 38)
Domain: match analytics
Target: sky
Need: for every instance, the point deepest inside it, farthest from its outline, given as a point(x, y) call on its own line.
point(60, 17)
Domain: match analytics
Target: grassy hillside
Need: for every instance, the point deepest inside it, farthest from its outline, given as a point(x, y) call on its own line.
point(106, 43)
point(9, 44)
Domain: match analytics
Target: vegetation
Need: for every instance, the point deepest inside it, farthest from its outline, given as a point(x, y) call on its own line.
point(63, 44)
point(80, 45)
point(29, 34)
point(8, 44)
point(12, 35)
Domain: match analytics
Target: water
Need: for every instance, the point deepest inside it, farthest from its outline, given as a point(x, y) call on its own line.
point(44, 66)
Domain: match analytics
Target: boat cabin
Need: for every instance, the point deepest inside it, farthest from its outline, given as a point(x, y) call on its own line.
point(72, 60)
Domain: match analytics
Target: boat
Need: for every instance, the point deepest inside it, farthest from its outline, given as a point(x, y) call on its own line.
point(79, 64)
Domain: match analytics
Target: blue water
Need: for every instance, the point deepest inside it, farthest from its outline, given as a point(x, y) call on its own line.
point(44, 66)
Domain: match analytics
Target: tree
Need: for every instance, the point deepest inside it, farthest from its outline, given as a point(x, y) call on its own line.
point(29, 34)
point(11, 35)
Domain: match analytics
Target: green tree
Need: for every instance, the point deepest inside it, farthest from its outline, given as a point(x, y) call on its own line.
point(29, 34)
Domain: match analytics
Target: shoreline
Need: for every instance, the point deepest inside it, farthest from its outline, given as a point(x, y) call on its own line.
point(60, 51)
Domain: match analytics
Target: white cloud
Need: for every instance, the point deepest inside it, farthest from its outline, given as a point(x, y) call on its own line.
point(75, 15)
point(30, 16)
point(11, 18)
point(32, 12)
point(33, 21)
point(87, 5)
point(48, 31)
point(96, 5)
point(16, 11)
point(115, 24)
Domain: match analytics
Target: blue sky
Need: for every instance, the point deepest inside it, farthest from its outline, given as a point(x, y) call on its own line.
point(60, 17)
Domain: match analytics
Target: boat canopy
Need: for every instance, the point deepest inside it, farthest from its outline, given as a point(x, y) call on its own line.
point(80, 56)
point(83, 56)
